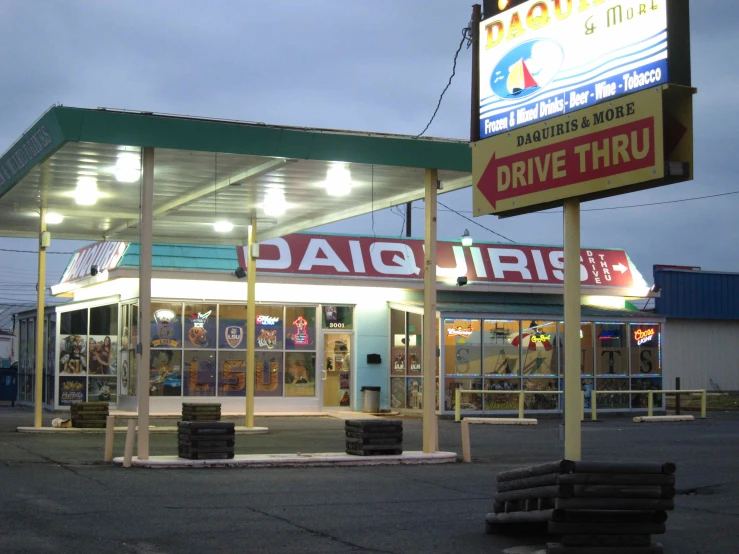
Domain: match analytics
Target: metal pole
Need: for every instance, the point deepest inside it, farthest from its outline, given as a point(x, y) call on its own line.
point(650, 403)
point(430, 424)
point(520, 404)
point(145, 253)
point(457, 404)
point(408, 213)
point(573, 426)
point(475, 95)
point(677, 396)
point(703, 404)
point(251, 321)
point(38, 399)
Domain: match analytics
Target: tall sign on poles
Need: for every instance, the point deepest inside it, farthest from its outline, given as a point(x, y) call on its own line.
point(576, 100)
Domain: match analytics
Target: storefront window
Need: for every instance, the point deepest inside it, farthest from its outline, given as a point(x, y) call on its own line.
point(73, 323)
point(612, 401)
point(586, 349)
point(468, 400)
point(641, 401)
point(165, 373)
point(104, 320)
point(166, 325)
point(23, 365)
point(269, 328)
point(300, 374)
point(132, 372)
point(415, 345)
point(200, 326)
point(414, 396)
point(232, 375)
point(540, 350)
point(398, 349)
point(269, 374)
point(199, 373)
point(496, 402)
point(397, 393)
point(300, 328)
point(232, 327)
point(72, 390)
point(646, 354)
point(337, 317)
point(611, 350)
point(501, 347)
point(462, 347)
point(73, 355)
point(102, 355)
point(541, 401)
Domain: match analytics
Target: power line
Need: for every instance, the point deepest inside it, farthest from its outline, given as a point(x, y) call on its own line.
point(476, 223)
point(33, 251)
point(465, 38)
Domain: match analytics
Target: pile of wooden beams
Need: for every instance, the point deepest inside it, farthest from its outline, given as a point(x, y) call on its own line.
point(593, 507)
point(374, 437)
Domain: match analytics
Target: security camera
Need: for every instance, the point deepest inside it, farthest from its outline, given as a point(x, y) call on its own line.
point(240, 272)
point(461, 281)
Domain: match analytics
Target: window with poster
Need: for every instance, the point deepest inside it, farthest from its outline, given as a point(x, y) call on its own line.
point(463, 362)
point(611, 349)
point(166, 325)
point(337, 317)
point(200, 326)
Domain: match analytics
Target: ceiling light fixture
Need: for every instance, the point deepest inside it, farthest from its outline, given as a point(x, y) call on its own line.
point(53, 218)
point(466, 238)
point(223, 226)
point(128, 168)
point(86, 193)
point(274, 203)
point(338, 180)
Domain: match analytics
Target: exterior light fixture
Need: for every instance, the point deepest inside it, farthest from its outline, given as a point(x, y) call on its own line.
point(240, 272)
point(466, 238)
point(338, 181)
point(86, 193)
point(502, 4)
point(274, 203)
point(128, 168)
point(52, 218)
point(223, 226)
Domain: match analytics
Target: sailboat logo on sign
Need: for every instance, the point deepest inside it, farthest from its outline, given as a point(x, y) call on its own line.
point(526, 69)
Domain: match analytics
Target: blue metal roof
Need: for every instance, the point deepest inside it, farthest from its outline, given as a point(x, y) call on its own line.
point(181, 256)
point(697, 294)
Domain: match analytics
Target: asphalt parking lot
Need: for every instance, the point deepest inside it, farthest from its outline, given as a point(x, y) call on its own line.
point(58, 496)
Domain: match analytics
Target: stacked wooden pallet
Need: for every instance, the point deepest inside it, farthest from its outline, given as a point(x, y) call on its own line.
point(205, 440)
point(374, 437)
point(89, 415)
point(594, 507)
point(201, 412)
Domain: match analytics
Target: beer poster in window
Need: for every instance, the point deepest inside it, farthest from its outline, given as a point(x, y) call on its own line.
point(166, 326)
point(268, 330)
point(72, 390)
point(337, 317)
point(200, 325)
point(73, 355)
point(645, 349)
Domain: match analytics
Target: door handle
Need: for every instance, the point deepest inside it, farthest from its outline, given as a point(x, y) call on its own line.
point(325, 375)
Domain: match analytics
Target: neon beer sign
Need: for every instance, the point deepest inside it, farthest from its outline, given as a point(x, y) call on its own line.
point(642, 336)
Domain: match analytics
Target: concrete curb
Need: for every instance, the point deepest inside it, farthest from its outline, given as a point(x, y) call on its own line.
point(501, 421)
point(668, 419)
point(152, 430)
point(296, 460)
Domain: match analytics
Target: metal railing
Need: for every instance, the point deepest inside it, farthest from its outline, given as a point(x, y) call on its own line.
point(520, 393)
point(593, 399)
point(650, 399)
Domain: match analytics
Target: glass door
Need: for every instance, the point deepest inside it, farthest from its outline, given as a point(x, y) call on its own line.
point(337, 369)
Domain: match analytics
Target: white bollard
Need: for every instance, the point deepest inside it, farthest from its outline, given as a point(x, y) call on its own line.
point(130, 437)
point(109, 425)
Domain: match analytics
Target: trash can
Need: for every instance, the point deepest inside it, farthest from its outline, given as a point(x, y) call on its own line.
point(8, 385)
point(371, 400)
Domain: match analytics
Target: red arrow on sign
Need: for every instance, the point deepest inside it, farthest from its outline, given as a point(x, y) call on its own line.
point(604, 153)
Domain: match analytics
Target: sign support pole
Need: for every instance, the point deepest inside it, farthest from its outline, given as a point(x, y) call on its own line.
point(430, 424)
point(38, 399)
point(145, 253)
point(572, 410)
point(251, 321)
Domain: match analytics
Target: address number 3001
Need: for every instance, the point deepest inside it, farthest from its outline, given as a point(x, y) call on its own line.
point(336, 325)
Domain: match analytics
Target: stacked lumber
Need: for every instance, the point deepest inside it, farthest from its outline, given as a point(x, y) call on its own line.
point(205, 440)
point(201, 412)
point(374, 437)
point(594, 507)
point(89, 415)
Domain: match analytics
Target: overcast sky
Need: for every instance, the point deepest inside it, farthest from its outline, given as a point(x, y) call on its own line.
point(374, 66)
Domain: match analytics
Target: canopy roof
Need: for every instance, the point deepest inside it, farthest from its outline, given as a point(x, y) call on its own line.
point(208, 170)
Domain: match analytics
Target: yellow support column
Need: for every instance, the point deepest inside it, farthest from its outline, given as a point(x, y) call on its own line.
point(430, 424)
point(457, 403)
point(520, 404)
point(38, 399)
point(650, 404)
point(573, 427)
point(251, 321)
point(703, 404)
point(593, 406)
point(582, 403)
